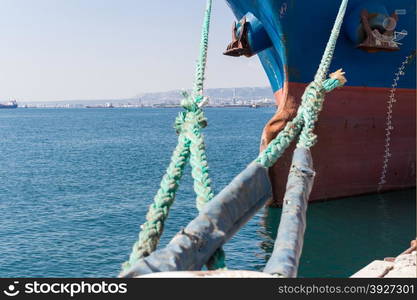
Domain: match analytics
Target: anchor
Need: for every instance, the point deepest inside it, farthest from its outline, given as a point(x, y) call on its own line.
point(239, 45)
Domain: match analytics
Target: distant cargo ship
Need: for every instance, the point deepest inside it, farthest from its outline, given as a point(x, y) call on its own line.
point(107, 105)
point(9, 105)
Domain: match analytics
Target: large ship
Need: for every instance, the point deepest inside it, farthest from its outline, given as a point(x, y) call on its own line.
point(107, 105)
point(9, 105)
point(367, 130)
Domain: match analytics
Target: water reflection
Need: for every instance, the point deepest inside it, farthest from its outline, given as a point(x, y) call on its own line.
point(268, 232)
point(343, 236)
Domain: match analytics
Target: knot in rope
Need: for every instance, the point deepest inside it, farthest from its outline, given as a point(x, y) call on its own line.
point(331, 84)
point(193, 116)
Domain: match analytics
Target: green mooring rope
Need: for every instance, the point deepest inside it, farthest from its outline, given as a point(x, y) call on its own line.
point(312, 103)
point(191, 144)
point(191, 148)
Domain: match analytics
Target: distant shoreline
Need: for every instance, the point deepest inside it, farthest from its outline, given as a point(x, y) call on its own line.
point(139, 107)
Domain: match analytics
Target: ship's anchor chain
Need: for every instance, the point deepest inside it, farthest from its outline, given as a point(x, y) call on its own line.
point(191, 148)
point(389, 124)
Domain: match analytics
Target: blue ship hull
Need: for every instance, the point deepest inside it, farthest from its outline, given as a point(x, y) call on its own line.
point(367, 136)
point(299, 31)
point(4, 106)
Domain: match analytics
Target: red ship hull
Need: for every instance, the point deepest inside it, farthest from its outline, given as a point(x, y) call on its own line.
point(349, 155)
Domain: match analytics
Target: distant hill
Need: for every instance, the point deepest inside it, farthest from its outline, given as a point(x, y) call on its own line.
point(245, 93)
point(216, 94)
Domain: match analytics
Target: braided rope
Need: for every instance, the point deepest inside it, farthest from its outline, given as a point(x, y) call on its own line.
point(199, 169)
point(190, 147)
point(151, 230)
point(201, 65)
point(326, 60)
point(312, 103)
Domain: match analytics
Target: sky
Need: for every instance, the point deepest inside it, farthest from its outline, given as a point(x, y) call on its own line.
point(54, 50)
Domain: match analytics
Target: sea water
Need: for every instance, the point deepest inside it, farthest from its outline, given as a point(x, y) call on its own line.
point(76, 185)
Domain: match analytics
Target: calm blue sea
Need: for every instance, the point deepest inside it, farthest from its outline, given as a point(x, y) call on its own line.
point(76, 184)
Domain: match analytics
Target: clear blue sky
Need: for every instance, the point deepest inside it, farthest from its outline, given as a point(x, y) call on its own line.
point(100, 49)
